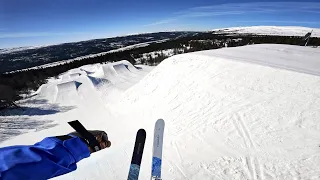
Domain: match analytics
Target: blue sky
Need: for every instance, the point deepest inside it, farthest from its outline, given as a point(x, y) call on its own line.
point(45, 22)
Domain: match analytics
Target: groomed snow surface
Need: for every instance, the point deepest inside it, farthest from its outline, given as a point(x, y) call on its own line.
point(247, 112)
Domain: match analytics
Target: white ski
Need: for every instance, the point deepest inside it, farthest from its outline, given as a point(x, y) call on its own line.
point(157, 150)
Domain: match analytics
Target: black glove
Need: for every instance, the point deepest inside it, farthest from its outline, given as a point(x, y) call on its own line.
point(101, 137)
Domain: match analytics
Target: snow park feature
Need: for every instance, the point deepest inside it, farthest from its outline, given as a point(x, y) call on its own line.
point(249, 112)
point(67, 91)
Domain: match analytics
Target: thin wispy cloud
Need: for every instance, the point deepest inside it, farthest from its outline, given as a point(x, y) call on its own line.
point(243, 8)
point(207, 14)
point(260, 6)
point(36, 34)
point(165, 21)
point(290, 22)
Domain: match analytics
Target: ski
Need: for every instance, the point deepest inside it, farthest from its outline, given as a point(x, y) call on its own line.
point(157, 150)
point(137, 155)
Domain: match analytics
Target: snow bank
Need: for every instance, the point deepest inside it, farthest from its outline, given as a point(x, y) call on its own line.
point(296, 58)
point(227, 119)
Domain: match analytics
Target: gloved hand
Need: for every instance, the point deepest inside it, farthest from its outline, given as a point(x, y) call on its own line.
point(101, 137)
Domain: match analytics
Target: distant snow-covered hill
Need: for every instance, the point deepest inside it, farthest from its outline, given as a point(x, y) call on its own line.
point(271, 30)
point(15, 49)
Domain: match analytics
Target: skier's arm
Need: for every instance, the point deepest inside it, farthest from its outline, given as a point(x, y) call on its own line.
point(46, 159)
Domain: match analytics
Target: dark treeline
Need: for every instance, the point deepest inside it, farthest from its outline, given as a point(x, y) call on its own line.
point(23, 81)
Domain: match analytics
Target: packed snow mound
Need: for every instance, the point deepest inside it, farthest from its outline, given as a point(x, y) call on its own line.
point(271, 30)
point(269, 55)
point(87, 72)
point(97, 81)
point(122, 74)
point(67, 92)
point(106, 80)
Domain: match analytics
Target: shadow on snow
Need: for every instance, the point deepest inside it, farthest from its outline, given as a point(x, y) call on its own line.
point(11, 126)
point(36, 108)
point(16, 121)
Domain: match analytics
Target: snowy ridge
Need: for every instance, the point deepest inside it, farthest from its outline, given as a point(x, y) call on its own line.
point(16, 49)
point(229, 114)
point(137, 46)
point(11, 50)
point(271, 30)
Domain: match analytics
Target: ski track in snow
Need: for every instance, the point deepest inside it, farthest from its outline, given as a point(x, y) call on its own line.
point(235, 113)
point(255, 170)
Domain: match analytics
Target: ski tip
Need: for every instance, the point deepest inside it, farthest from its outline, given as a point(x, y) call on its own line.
point(141, 131)
point(72, 122)
point(160, 121)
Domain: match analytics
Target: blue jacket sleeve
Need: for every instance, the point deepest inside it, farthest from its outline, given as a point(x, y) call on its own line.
point(46, 159)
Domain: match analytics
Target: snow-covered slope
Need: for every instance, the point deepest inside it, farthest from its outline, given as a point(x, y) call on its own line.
point(230, 114)
point(271, 30)
point(294, 58)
